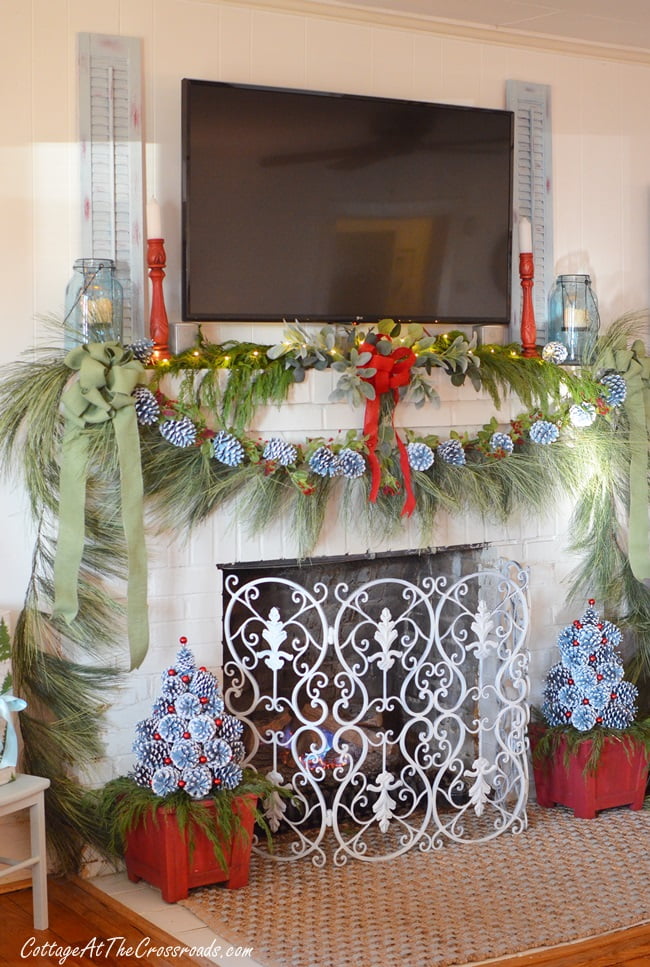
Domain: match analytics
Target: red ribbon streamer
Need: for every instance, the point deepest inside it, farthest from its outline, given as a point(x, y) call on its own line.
point(392, 371)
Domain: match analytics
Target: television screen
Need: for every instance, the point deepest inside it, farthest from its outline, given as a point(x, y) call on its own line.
point(329, 207)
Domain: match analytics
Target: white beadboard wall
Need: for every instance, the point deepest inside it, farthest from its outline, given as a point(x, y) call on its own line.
point(601, 145)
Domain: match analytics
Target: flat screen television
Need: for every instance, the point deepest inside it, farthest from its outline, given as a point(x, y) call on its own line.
point(339, 208)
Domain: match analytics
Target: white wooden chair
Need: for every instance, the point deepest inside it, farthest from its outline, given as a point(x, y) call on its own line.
point(26, 792)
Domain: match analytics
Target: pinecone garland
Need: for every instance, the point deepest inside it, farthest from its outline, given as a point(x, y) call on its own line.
point(227, 449)
point(280, 451)
point(501, 442)
point(420, 456)
point(351, 463)
point(615, 389)
point(586, 688)
point(188, 742)
point(325, 463)
point(180, 433)
point(544, 432)
point(147, 408)
point(451, 451)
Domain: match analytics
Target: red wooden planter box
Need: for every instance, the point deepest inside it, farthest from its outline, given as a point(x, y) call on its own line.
point(156, 851)
point(620, 778)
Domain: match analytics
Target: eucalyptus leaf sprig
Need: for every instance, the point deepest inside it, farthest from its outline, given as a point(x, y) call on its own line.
point(303, 350)
point(353, 384)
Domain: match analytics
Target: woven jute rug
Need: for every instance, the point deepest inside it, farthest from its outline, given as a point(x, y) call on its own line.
point(560, 880)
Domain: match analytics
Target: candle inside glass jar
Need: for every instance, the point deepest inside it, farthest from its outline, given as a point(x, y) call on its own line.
point(575, 318)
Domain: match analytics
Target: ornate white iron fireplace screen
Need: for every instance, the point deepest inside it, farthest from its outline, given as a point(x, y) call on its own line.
point(395, 728)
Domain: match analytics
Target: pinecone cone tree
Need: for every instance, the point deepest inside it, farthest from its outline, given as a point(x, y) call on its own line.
point(587, 689)
point(189, 742)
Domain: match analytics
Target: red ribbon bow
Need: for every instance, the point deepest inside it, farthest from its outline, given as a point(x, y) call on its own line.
point(392, 371)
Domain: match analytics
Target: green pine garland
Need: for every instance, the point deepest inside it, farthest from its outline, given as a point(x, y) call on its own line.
point(64, 672)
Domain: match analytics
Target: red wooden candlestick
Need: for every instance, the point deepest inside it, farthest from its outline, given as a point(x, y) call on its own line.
point(528, 330)
point(158, 322)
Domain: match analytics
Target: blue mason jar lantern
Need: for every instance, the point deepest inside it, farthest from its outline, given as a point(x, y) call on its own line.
point(573, 317)
point(93, 304)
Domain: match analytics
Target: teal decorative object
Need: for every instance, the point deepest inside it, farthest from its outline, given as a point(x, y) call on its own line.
point(93, 304)
point(573, 317)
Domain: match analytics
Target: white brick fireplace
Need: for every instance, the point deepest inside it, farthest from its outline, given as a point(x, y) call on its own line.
point(185, 582)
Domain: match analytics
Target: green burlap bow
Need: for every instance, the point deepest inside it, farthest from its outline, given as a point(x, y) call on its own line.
point(634, 366)
point(107, 376)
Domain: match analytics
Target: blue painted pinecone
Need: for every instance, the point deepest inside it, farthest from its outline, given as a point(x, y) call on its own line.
point(230, 775)
point(555, 352)
point(615, 717)
point(582, 414)
point(142, 350)
point(231, 728)
point(501, 441)
point(227, 449)
point(165, 780)
point(180, 433)
point(218, 752)
point(280, 451)
point(451, 451)
point(184, 660)
point(147, 409)
point(325, 463)
point(615, 389)
point(142, 776)
point(144, 730)
point(420, 456)
point(351, 463)
point(150, 754)
point(198, 782)
point(544, 432)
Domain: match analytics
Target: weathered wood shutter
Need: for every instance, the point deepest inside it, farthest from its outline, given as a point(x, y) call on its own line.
point(110, 120)
point(532, 196)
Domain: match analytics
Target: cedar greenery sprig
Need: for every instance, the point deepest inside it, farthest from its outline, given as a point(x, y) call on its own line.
point(235, 378)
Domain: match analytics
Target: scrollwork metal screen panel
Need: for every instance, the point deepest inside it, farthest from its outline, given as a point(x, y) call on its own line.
point(399, 720)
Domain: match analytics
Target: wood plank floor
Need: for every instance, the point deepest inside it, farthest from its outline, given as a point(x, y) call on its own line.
point(82, 916)
point(79, 912)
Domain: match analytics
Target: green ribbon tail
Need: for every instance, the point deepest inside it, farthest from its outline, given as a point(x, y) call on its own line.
point(128, 443)
point(634, 365)
point(72, 502)
point(638, 406)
